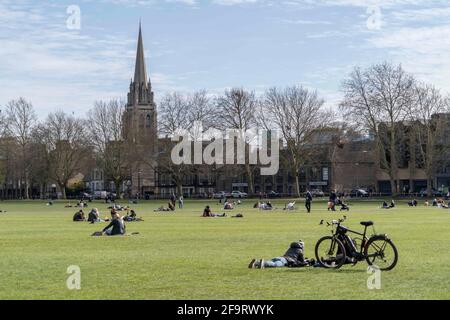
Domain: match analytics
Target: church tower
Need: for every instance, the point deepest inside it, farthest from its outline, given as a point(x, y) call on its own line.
point(140, 125)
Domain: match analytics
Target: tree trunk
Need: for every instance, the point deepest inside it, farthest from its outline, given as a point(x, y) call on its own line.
point(27, 189)
point(429, 185)
point(180, 189)
point(249, 179)
point(41, 191)
point(62, 187)
point(117, 184)
point(297, 184)
point(393, 171)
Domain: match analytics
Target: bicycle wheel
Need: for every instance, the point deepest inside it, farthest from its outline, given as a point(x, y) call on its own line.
point(381, 252)
point(330, 253)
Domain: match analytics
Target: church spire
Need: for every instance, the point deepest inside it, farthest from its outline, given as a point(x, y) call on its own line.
point(140, 72)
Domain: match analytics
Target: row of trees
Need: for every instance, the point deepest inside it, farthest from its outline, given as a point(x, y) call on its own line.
point(377, 102)
point(381, 99)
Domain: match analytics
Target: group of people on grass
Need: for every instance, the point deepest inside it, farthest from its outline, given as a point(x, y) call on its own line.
point(116, 224)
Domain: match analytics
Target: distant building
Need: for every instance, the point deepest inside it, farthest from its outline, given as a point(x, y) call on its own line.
point(339, 165)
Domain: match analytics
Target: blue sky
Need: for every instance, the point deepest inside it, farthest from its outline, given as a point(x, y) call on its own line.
point(213, 45)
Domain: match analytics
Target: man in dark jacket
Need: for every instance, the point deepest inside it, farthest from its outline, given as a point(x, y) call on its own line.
point(309, 199)
point(79, 216)
point(293, 258)
point(116, 227)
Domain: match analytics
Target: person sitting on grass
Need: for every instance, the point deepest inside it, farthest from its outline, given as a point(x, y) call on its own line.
point(228, 206)
point(132, 217)
point(413, 203)
point(116, 227)
point(442, 205)
point(435, 202)
point(293, 258)
point(207, 213)
point(79, 216)
point(171, 206)
point(94, 216)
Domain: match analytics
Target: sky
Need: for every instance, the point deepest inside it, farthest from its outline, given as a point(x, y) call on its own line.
point(65, 55)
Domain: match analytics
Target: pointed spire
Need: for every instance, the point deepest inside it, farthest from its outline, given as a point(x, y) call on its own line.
point(140, 72)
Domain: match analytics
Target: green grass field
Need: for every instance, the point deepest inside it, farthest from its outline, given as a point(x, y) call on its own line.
point(183, 256)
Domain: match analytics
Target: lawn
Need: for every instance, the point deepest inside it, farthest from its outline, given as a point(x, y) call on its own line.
point(183, 256)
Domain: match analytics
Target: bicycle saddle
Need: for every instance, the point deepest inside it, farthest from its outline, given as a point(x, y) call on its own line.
point(367, 223)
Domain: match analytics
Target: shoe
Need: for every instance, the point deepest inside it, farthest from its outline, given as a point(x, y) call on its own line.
point(261, 264)
point(252, 264)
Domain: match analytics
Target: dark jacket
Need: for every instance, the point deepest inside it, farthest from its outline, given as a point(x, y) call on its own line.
point(118, 227)
point(92, 217)
point(78, 217)
point(294, 255)
point(309, 197)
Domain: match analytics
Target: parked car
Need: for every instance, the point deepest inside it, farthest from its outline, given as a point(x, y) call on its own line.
point(433, 193)
point(273, 194)
point(87, 196)
point(359, 193)
point(221, 194)
point(317, 193)
point(239, 195)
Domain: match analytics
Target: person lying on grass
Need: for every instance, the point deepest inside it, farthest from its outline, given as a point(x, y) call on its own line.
point(386, 206)
point(79, 216)
point(207, 213)
point(170, 208)
point(290, 206)
point(293, 258)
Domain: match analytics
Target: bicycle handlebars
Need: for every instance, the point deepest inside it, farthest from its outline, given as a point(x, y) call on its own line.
point(334, 222)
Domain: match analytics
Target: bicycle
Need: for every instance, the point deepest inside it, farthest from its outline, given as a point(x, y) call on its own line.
point(332, 252)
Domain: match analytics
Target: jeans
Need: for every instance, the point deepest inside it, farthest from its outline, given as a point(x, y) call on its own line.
point(276, 263)
point(308, 206)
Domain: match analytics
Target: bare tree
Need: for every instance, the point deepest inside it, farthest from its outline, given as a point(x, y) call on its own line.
point(237, 108)
point(378, 99)
point(105, 123)
point(429, 128)
point(21, 119)
point(299, 115)
point(67, 148)
point(179, 114)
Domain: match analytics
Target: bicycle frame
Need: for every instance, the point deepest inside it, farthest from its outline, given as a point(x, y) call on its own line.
point(336, 233)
